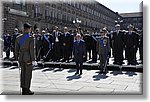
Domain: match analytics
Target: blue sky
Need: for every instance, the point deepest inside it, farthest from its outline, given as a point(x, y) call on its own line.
point(122, 6)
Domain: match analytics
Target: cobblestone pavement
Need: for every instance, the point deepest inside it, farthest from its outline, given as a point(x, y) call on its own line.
point(63, 81)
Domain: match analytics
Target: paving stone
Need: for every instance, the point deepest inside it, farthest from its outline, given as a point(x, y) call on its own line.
point(112, 86)
point(66, 87)
point(95, 90)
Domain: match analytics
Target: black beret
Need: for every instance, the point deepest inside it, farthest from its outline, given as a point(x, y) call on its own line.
point(27, 25)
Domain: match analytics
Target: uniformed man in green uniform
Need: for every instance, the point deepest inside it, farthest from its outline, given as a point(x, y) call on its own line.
point(24, 50)
point(103, 48)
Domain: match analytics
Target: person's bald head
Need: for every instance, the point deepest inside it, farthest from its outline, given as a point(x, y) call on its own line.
point(65, 29)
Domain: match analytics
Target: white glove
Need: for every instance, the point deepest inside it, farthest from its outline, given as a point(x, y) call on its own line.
point(34, 63)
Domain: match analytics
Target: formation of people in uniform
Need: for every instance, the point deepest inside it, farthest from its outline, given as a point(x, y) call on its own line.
point(72, 46)
point(57, 45)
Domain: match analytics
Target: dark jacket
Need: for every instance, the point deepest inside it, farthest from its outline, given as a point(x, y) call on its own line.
point(59, 37)
point(118, 40)
point(131, 39)
point(66, 39)
point(79, 51)
point(7, 40)
point(14, 36)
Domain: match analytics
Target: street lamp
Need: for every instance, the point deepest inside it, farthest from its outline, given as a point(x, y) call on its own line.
point(77, 21)
point(118, 21)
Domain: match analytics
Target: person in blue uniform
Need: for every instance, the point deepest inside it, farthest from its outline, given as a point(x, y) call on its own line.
point(7, 44)
point(46, 45)
point(103, 48)
point(79, 53)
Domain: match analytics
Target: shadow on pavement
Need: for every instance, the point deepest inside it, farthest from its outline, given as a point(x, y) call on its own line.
point(116, 73)
point(71, 70)
point(99, 77)
point(130, 73)
point(58, 70)
point(69, 78)
point(47, 69)
point(37, 68)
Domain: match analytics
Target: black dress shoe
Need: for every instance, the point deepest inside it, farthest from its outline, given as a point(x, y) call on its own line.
point(114, 62)
point(133, 63)
point(26, 91)
point(76, 73)
point(30, 92)
point(120, 63)
point(129, 63)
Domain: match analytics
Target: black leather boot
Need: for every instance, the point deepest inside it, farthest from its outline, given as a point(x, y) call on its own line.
point(30, 92)
point(24, 91)
point(27, 91)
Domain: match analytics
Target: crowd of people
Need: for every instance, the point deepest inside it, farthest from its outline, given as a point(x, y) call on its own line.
point(57, 45)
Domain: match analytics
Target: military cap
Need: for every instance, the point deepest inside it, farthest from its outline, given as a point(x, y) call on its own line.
point(27, 25)
point(117, 25)
point(43, 31)
point(130, 26)
point(104, 29)
point(15, 29)
point(78, 35)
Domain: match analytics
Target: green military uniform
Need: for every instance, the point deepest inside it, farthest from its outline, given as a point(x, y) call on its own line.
point(25, 56)
point(103, 48)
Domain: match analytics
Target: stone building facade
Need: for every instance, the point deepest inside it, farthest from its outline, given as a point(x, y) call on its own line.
point(136, 19)
point(92, 15)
